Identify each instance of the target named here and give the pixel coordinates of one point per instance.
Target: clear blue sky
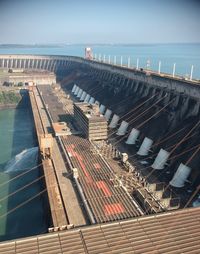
(99, 21)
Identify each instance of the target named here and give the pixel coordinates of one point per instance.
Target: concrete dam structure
(147, 165)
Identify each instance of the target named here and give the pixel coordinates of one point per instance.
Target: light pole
(159, 67)
(137, 67)
(115, 60)
(191, 72)
(109, 59)
(129, 62)
(174, 69)
(121, 60)
(104, 58)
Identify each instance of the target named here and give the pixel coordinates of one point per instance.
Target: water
(28, 158)
(184, 55)
(18, 154)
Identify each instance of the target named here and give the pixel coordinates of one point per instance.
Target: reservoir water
(20, 179)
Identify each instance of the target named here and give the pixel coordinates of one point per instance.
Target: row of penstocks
(182, 172)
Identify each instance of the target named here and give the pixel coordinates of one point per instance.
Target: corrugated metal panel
(168, 233)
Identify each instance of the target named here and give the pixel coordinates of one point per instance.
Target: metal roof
(167, 233)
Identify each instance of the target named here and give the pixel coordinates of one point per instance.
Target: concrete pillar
(108, 114)
(161, 159)
(195, 110)
(48, 64)
(51, 65)
(114, 121)
(20, 63)
(132, 138)
(15, 63)
(3, 62)
(123, 128)
(97, 102)
(176, 101)
(102, 109)
(29, 63)
(180, 176)
(11, 64)
(145, 147)
(36, 63)
(136, 85)
(87, 98)
(83, 96)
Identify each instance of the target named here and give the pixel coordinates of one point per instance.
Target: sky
(99, 21)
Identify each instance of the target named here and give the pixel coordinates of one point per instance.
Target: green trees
(9, 97)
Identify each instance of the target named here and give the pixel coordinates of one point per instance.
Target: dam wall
(125, 76)
(163, 109)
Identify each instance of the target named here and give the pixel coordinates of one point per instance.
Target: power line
(23, 203)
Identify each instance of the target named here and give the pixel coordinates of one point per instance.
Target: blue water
(20, 215)
(184, 55)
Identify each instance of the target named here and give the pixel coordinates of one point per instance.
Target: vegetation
(9, 97)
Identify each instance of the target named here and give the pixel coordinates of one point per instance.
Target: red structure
(88, 53)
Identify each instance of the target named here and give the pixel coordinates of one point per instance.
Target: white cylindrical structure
(160, 160)
(132, 137)
(87, 98)
(191, 72)
(83, 95)
(159, 67)
(174, 69)
(145, 147)
(122, 129)
(102, 109)
(180, 176)
(108, 114)
(74, 88)
(77, 90)
(92, 100)
(97, 102)
(114, 121)
(79, 93)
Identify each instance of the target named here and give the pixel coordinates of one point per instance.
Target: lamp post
(137, 67)
(159, 67)
(121, 61)
(115, 60)
(174, 69)
(129, 62)
(109, 59)
(191, 72)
